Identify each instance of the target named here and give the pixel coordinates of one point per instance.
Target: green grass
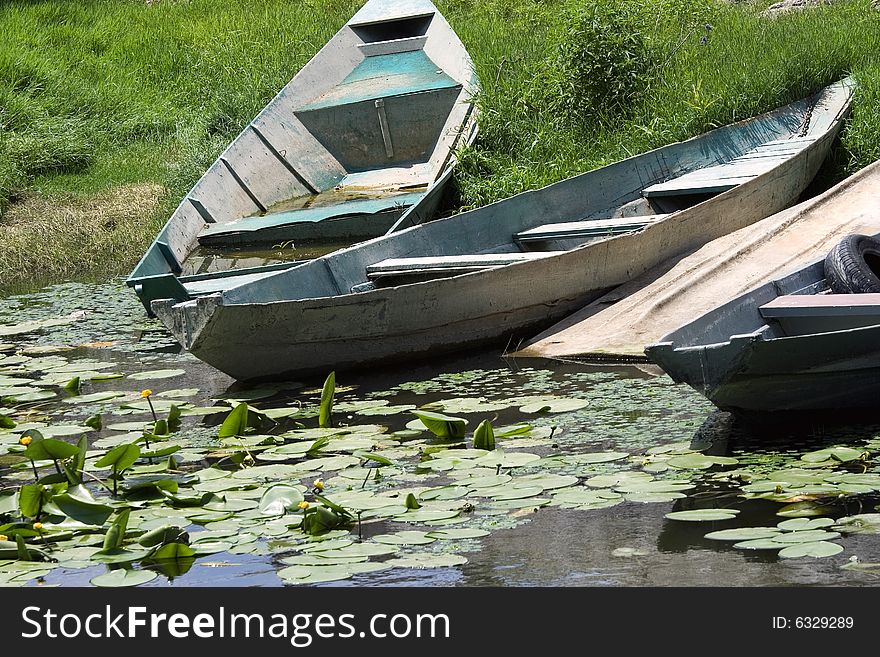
(97, 95)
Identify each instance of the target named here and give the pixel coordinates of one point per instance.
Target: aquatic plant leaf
(405, 538)
(759, 544)
(806, 509)
(48, 449)
(236, 422)
(85, 511)
(484, 436)
(120, 555)
(554, 405)
(703, 515)
(698, 461)
(862, 523)
(802, 524)
(457, 533)
(94, 422)
(162, 535)
(123, 577)
(32, 396)
(442, 426)
(743, 534)
(156, 374)
(806, 536)
(279, 499)
(427, 560)
(601, 457)
(411, 502)
(30, 499)
(6, 422)
(120, 458)
(73, 386)
(325, 411)
(173, 551)
(818, 550)
(843, 454)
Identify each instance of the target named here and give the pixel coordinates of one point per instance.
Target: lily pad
(123, 577)
(458, 533)
(817, 550)
(554, 405)
(156, 374)
(703, 515)
(431, 560)
(743, 534)
(405, 538)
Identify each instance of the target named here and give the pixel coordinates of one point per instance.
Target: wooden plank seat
(586, 229)
(801, 314)
(721, 177)
(248, 228)
(444, 266)
(383, 76)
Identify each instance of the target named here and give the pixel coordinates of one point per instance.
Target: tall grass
(97, 94)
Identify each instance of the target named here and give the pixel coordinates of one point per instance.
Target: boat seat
(802, 314)
(383, 76)
(268, 226)
(721, 177)
(444, 266)
(579, 229)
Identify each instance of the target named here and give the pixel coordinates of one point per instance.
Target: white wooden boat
(499, 272)
(788, 345)
(360, 142)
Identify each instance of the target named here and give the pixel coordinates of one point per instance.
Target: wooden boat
(360, 142)
(788, 345)
(617, 326)
(490, 274)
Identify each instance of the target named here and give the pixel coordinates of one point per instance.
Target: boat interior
(343, 151)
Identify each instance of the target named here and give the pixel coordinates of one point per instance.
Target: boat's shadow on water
(779, 434)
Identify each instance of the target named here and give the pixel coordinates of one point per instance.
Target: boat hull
(318, 317)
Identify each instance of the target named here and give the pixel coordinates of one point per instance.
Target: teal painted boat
(359, 143)
(495, 274)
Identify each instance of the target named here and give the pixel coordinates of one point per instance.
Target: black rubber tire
(853, 265)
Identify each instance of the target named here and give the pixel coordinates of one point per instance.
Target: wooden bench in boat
(802, 314)
(271, 227)
(585, 229)
(721, 177)
(424, 268)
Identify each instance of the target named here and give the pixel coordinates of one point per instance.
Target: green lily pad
(843, 454)
(807, 536)
(432, 560)
(703, 515)
(122, 577)
(802, 524)
(554, 405)
(601, 457)
(759, 544)
(743, 534)
(405, 538)
(458, 533)
(156, 374)
(816, 550)
(426, 515)
(511, 493)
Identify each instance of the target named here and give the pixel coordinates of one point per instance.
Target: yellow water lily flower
(303, 505)
(319, 484)
(38, 526)
(4, 537)
(25, 440)
(146, 393)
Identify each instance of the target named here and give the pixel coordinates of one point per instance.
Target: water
(630, 411)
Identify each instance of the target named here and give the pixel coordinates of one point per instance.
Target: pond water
(600, 476)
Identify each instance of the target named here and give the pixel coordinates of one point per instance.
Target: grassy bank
(104, 99)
